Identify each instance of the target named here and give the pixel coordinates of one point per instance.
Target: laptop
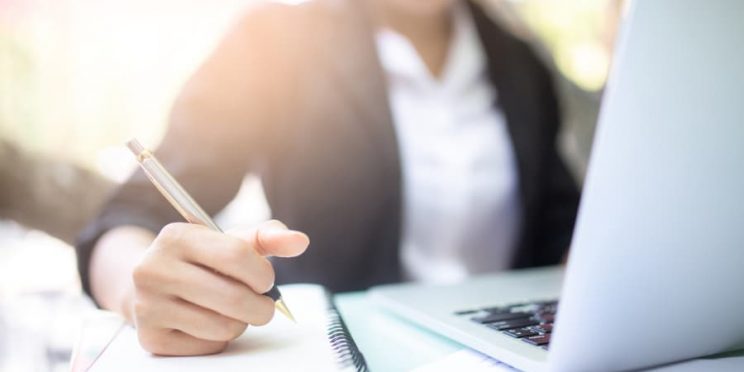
(656, 269)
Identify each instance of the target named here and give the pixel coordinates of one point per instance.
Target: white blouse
(461, 210)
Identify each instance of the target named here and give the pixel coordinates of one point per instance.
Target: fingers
(281, 242)
(220, 294)
(223, 253)
(172, 342)
(177, 314)
(197, 289)
(273, 238)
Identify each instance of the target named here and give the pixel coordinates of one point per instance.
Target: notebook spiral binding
(347, 353)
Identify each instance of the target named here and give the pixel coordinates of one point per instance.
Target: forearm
(111, 265)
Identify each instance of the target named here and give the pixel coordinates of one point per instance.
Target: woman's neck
(429, 33)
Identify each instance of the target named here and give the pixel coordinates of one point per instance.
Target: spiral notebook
(318, 342)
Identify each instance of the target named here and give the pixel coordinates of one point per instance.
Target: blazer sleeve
(221, 126)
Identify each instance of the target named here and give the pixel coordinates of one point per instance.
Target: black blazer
(296, 95)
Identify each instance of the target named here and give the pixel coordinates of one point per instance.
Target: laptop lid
(656, 270)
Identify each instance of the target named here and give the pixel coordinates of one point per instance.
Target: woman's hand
(196, 289)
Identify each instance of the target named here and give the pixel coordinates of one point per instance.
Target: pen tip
(282, 307)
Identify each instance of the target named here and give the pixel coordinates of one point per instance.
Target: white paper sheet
(279, 346)
(465, 360)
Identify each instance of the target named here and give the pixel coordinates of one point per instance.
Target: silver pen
(185, 204)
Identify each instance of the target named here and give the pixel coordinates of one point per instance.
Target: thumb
(273, 238)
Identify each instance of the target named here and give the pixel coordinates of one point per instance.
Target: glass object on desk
(37, 331)
(40, 301)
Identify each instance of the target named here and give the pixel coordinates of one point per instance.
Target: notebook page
(279, 346)
(465, 360)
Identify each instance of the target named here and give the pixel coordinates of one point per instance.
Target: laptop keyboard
(530, 322)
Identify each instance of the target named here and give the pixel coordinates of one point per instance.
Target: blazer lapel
(514, 98)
